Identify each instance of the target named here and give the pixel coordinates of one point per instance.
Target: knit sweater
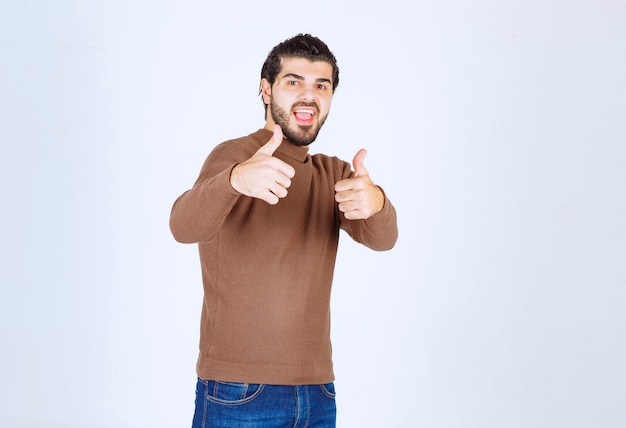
(267, 269)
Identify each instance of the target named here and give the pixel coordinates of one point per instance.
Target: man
(266, 216)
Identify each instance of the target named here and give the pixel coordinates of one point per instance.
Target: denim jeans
(243, 405)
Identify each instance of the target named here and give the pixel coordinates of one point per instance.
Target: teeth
(304, 111)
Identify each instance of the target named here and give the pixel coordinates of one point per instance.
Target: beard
(303, 135)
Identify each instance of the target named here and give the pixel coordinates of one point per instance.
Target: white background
(496, 127)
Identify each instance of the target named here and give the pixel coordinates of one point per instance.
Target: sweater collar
(286, 148)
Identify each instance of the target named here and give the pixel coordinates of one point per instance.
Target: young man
(266, 216)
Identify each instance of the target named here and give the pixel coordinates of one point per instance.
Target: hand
(263, 176)
(358, 197)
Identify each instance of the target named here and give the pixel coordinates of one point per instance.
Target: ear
(266, 90)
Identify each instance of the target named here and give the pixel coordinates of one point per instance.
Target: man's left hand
(358, 197)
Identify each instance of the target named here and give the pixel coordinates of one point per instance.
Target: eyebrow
(298, 77)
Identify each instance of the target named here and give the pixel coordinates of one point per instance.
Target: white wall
(496, 127)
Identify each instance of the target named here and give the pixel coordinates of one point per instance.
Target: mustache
(304, 104)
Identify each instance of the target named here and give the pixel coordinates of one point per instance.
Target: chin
(298, 138)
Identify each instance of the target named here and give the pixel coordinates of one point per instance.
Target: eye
(292, 82)
(321, 86)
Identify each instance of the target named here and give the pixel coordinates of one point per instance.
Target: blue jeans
(244, 405)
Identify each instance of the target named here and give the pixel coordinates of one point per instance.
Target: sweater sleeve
(379, 232)
(198, 213)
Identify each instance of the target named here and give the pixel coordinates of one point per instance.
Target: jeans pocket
(232, 393)
(328, 389)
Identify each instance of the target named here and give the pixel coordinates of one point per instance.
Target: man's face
(299, 100)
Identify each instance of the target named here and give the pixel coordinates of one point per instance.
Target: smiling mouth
(304, 115)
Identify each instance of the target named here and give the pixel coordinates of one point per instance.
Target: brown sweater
(267, 269)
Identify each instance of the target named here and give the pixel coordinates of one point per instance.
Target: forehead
(306, 68)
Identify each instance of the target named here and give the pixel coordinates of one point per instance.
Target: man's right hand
(263, 176)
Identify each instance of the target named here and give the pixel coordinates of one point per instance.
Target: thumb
(357, 162)
(270, 147)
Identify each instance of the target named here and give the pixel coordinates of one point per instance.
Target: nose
(306, 95)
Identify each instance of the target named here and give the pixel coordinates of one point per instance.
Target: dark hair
(300, 46)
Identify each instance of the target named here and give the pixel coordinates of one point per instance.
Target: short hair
(299, 46)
